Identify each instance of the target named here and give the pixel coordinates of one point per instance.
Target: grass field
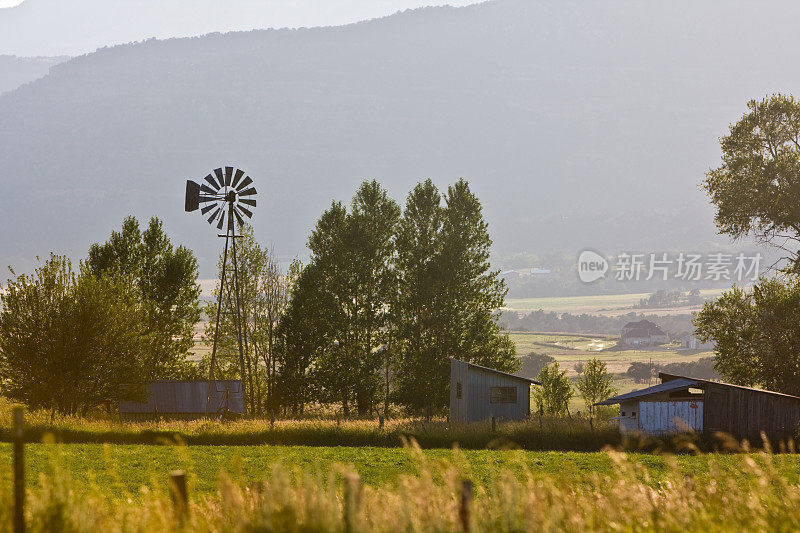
(89, 488)
(122, 470)
(593, 304)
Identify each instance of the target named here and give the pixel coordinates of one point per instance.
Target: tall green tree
(757, 335)
(71, 342)
(447, 295)
(163, 279)
(756, 189)
(555, 392)
(352, 252)
(417, 306)
(595, 384)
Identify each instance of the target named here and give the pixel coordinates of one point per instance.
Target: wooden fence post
(180, 495)
(19, 472)
(352, 500)
(465, 504)
(494, 425)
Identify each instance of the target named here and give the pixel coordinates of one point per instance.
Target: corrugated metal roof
(663, 376)
(188, 397)
(529, 380)
(655, 389)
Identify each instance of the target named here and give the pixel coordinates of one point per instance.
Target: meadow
(113, 488)
(598, 304)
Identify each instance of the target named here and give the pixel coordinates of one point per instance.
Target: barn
(480, 393)
(186, 400)
(681, 403)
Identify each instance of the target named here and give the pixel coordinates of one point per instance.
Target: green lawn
(121, 470)
(588, 303)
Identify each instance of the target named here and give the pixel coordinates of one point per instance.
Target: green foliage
(757, 334)
(594, 384)
(263, 293)
(555, 392)
(71, 342)
(163, 279)
(446, 295)
(756, 189)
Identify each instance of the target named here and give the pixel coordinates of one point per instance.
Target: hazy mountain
(579, 123)
(55, 27)
(16, 71)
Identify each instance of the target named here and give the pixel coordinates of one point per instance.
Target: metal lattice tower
(225, 195)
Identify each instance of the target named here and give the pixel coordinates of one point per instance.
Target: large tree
(71, 342)
(447, 295)
(757, 334)
(163, 278)
(756, 190)
(351, 252)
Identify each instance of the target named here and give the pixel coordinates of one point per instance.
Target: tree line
(387, 296)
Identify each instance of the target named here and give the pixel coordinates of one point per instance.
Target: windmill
(226, 197)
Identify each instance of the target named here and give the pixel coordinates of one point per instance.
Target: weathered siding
(745, 413)
(458, 374)
(475, 402)
(184, 400)
(658, 418)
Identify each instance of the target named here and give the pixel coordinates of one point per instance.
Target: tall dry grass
(753, 496)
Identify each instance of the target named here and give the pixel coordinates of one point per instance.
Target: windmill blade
(249, 192)
(248, 201)
(237, 177)
(207, 208)
(205, 199)
(208, 190)
(245, 211)
(221, 220)
(214, 185)
(220, 176)
(214, 215)
(228, 174)
(245, 182)
(238, 218)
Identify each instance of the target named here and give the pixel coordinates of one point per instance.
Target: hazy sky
(72, 27)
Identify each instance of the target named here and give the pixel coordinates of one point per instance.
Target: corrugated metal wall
(185, 399)
(475, 404)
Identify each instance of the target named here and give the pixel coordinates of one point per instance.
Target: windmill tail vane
(225, 195)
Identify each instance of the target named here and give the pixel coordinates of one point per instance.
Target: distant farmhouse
(480, 393)
(642, 333)
(681, 404)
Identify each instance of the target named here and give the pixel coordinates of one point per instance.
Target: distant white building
(691, 342)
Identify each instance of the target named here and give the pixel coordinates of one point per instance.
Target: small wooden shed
(480, 393)
(186, 400)
(681, 404)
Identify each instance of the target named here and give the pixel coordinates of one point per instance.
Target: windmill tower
(224, 197)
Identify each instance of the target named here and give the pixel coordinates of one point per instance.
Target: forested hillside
(577, 123)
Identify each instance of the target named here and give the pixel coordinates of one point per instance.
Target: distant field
(570, 349)
(588, 304)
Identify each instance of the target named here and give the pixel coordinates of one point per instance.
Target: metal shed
(480, 393)
(185, 400)
(681, 403)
